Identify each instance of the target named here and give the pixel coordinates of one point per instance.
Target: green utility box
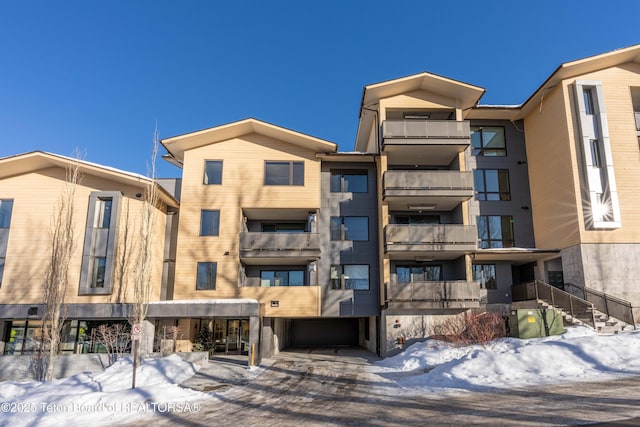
(535, 323)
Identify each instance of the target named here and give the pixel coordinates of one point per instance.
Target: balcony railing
(450, 290)
(419, 129)
(427, 237)
(428, 180)
(268, 244)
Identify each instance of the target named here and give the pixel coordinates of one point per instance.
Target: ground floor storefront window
(223, 336)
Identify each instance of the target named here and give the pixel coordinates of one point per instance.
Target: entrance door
(556, 279)
(233, 335)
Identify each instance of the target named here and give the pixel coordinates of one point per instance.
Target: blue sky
(99, 75)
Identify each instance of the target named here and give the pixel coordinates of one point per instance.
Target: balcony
(279, 248)
(441, 189)
(429, 241)
(405, 141)
(434, 294)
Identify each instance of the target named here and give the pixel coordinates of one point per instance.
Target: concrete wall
(19, 368)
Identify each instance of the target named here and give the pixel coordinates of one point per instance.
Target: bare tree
(116, 340)
(57, 279)
(143, 266)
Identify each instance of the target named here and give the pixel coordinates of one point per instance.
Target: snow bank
(578, 355)
(101, 399)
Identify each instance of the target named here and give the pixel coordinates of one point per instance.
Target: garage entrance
(323, 332)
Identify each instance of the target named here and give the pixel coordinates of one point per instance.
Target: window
(1, 270)
(103, 213)
(284, 227)
(284, 173)
(417, 219)
(350, 228)
(495, 231)
(98, 274)
(209, 223)
(596, 158)
(206, 279)
(491, 184)
(588, 102)
(282, 278)
(485, 274)
(354, 277)
(488, 141)
(348, 181)
(419, 273)
(213, 172)
(6, 206)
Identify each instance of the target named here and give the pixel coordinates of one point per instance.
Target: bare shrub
(116, 340)
(470, 328)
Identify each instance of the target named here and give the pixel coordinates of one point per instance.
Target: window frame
(98, 269)
(104, 210)
(292, 181)
(340, 282)
(215, 226)
(483, 195)
(504, 243)
(483, 149)
(340, 174)
(6, 213)
(212, 275)
(3, 261)
(288, 271)
(343, 231)
(490, 280)
(205, 176)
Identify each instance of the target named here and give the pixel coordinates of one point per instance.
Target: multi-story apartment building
(273, 239)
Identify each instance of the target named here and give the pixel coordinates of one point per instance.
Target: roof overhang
(514, 255)
(492, 112)
(39, 160)
(467, 96)
(177, 145)
(580, 67)
(351, 157)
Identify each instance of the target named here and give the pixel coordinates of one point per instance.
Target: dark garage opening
(323, 332)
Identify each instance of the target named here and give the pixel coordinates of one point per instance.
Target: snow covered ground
(577, 355)
(107, 398)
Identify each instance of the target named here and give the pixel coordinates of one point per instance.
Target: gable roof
(469, 95)
(579, 67)
(38, 160)
(177, 145)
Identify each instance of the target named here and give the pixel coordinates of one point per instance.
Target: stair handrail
(574, 301)
(621, 309)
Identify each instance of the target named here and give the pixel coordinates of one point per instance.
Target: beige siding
(552, 174)
(35, 196)
(616, 85)
(416, 100)
(242, 187)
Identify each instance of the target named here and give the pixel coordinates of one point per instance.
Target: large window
(284, 227)
(485, 274)
(98, 274)
(495, 231)
(419, 273)
(354, 277)
(103, 212)
(6, 206)
(492, 184)
(209, 223)
(343, 181)
(417, 219)
(488, 141)
(350, 228)
(282, 278)
(213, 172)
(206, 279)
(283, 173)
(1, 270)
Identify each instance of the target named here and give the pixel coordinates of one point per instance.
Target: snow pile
(577, 355)
(101, 399)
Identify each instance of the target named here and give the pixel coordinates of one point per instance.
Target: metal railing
(445, 290)
(607, 304)
(428, 180)
(426, 129)
(256, 241)
(578, 308)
